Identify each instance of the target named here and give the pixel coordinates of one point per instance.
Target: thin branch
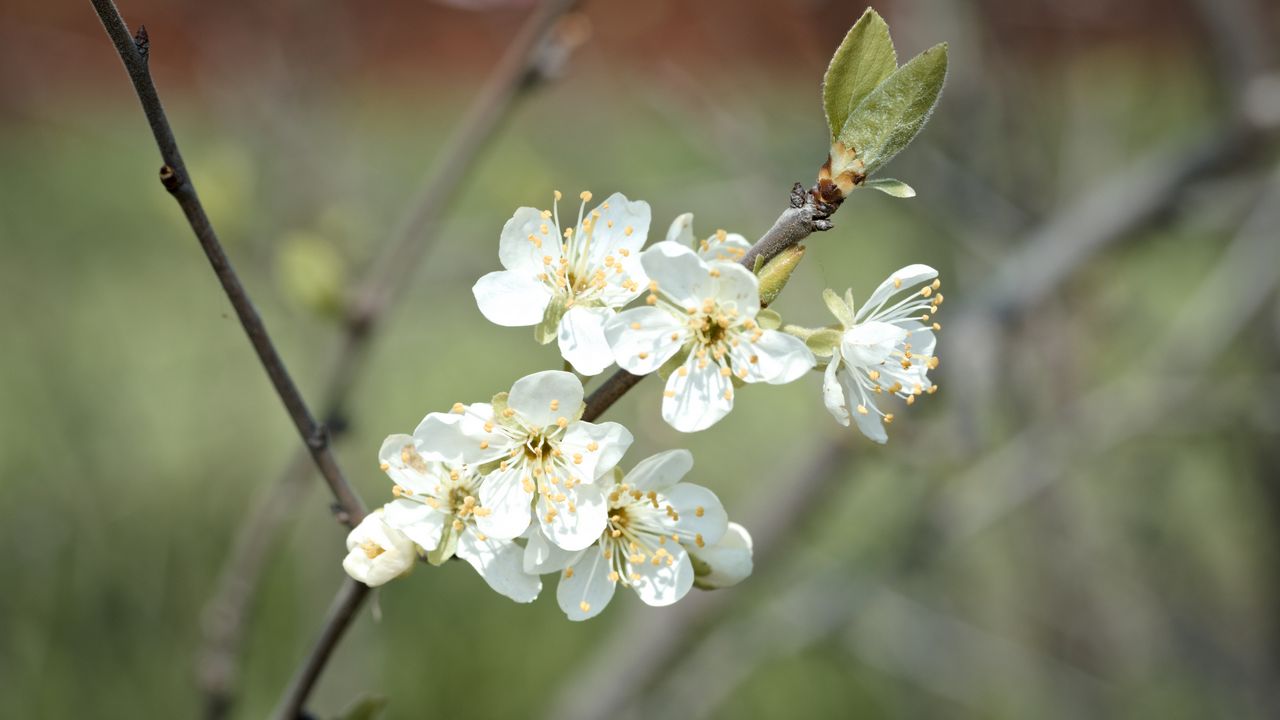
(530, 58)
(173, 174)
(341, 613)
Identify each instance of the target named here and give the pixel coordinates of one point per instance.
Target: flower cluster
(469, 483)
(521, 486)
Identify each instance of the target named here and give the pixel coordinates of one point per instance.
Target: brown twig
(529, 59)
(341, 613)
(173, 175)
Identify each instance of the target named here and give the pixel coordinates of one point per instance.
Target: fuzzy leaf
(891, 116)
(889, 186)
(864, 59)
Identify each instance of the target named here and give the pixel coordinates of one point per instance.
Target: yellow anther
(384, 466)
(754, 359)
(546, 259)
(888, 418)
(628, 230)
(669, 393)
(897, 282)
(593, 446)
(585, 606)
(577, 458)
(488, 427)
(508, 413)
(568, 573)
(862, 409)
(613, 576)
(558, 195)
(721, 235)
(699, 541)
(651, 300)
(555, 404)
(725, 372)
(911, 399)
(459, 408)
(643, 355)
(623, 251)
(699, 511)
(937, 284)
(932, 389)
(457, 525)
(484, 444)
(937, 326)
(562, 421)
(714, 272)
(728, 394)
(683, 371)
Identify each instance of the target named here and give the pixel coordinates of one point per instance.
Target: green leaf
(367, 707)
(445, 550)
(891, 116)
(843, 312)
(864, 59)
(889, 186)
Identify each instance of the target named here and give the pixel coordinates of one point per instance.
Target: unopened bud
(775, 274)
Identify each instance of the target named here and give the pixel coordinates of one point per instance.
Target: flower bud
(377, 552)
(775, 274)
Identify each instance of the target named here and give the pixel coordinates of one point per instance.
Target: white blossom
(655, 521)
(708, 310)
(886, 348)
(726, 246)
(378, 553)
(536, 456)
(726, 563)
(439, 509)
(569, 281)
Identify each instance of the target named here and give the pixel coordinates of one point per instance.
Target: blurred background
(1083, 522)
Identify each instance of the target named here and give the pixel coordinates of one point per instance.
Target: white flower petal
(543, 556)
(458, 438)
(611, 441)
(623, 224)
(868, 422)
(665, 583)
(579, 528)
(900, 281)
(511, 299)
(396, 449)
(421, 523)
(643, 338)
(585, 588)
(681, 275)
(738, 287)
(696, 398)
(728, 562)
(871, 343)
(661, 471)
(533, 397)
(833, 393)
(499, 563)
(779, 358)
(518, 253)
(732, 249)
(582, 340)
(503, 494)
(700, 512)
(681, 230)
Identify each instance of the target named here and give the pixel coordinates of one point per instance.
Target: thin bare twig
(521, 68)
(173, 175)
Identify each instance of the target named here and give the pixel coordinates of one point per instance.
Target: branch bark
(522, 68)
(134, 53)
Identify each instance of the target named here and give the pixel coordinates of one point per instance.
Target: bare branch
(522, 68)
(173, 174)
(341, 613)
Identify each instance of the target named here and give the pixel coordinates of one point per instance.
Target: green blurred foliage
(137, 426)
